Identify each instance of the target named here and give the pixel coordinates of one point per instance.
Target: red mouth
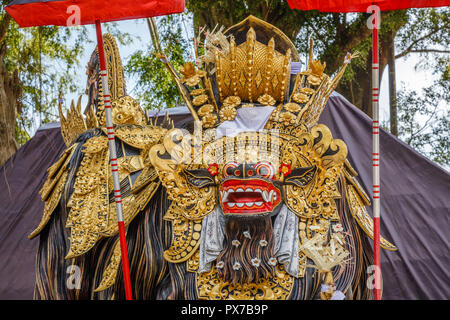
(249, 196)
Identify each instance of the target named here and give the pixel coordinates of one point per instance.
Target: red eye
(230, 165)
(265, 169)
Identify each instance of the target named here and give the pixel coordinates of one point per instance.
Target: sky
(406, 75)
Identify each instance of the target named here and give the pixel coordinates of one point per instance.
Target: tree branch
(413, 134)
(411, 46)
(319, 37)
(421, 51)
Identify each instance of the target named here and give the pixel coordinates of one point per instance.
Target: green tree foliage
(34, 52)
(39, 65)
(155, 88)
(424, 123)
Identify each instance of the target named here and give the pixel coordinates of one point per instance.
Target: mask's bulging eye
(228, 169)
(265, 169)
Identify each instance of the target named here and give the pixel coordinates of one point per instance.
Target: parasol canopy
(362, 5)
(32, 13)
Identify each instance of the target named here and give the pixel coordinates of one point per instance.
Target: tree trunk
(392, 89)
(358, 90)
(10, 93)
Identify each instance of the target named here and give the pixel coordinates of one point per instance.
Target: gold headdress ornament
(249, 65)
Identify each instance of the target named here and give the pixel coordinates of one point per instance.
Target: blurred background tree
(33, 87)
(37, 68)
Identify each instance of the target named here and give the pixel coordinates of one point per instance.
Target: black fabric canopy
(415, 213)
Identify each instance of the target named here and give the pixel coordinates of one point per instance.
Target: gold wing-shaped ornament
(92, 214)
(73, 123)
(53, 187)
(190, 205)
(91, 207)
(357, 201)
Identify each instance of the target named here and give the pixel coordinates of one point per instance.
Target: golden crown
(252, 70)
(249, 65)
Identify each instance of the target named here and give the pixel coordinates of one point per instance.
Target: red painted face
(251, 196)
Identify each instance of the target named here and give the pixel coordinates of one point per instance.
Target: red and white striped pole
(113, 161)
(376, 153)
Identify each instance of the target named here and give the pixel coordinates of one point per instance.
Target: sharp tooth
(231, 204)
(258, 190)
(274, 196)
(271, 195)
(249, 204)
(265, 196)
(221, 194)
(240, 205)
(249, 190)
(258, 203)
(239, 190)
(225, 196)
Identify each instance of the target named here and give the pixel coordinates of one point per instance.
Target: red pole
(376, 153)
(113, 160)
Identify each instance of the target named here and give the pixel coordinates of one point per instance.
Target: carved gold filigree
(300, 97)
(197, 92)
(359, 212)
(194, 203)
(137, 136)
(191, 76)
(231, 102)
(307, 91)
(228, 113)
(325, 255)
(254, 64)
(245, 72)
(53, 188)
(185, 239)
(209, 120)
(116, 79)
(126, 110)
(206, 109)
(292, 107)
(267, 99)
(316, 148)
(73, 124)
(288, 118)
(277, 287)
(110, 273)
(92, 210)
(199, 100)
(192, 263)
(89, 201)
